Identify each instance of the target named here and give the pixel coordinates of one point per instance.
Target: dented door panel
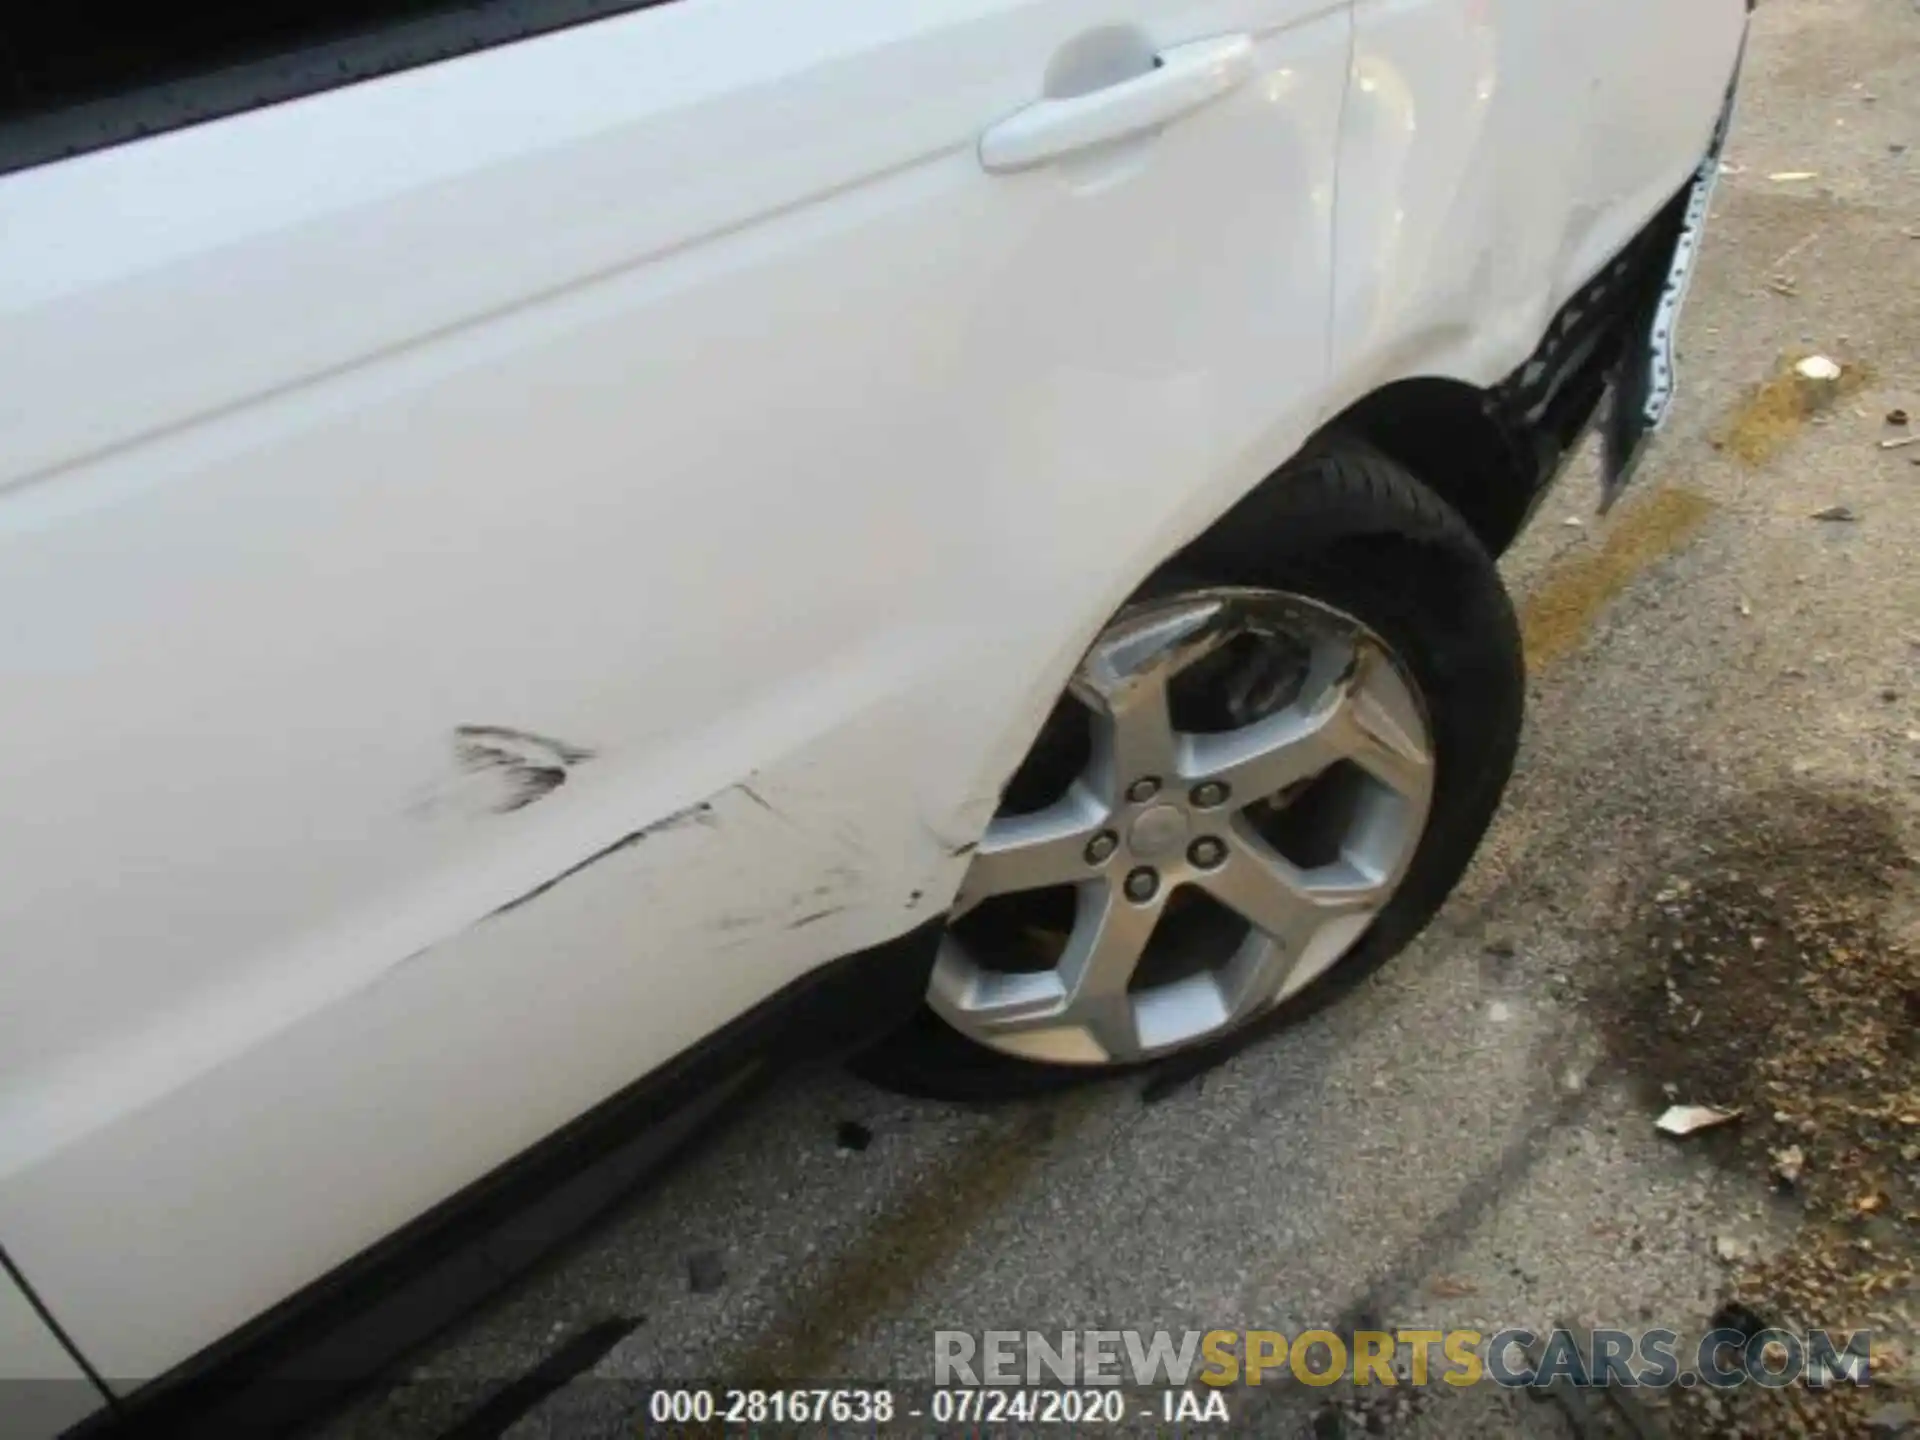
(508, 565)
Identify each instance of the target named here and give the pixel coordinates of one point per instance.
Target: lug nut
(1143, 789)
(1207, 852)
(1210, 794)
(1142, 883)
(1100, 849)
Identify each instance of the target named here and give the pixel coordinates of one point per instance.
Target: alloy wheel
(1254, 778)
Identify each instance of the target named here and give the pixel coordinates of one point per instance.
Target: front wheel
(1266, 775)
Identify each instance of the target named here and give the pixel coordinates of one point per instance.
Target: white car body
(509, 563)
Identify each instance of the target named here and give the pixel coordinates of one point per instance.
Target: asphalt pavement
(1467, 1140)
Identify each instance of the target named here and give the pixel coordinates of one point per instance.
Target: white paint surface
(681, 389)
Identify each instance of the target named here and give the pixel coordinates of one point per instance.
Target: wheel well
(1446, 433)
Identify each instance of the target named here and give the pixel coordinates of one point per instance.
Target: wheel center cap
(1159, 831)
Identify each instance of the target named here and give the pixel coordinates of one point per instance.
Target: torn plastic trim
(1646, 379)
(1608, 355)
(1547, 406)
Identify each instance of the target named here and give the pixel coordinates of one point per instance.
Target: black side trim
(1646, 377)
(1547, 406)
(1551, 400)
(292, 1364)
(54, 1326)
(501, 1412)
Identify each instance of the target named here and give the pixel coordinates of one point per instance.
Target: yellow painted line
(1556, 614)
(1556, 617)
(913, 1239)
(1774, 412)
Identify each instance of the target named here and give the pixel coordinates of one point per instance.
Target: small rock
(1840, 514)
(705, 1272)
(1729, 1249)
(1788, 1164)
(1896, 417)
(1890, 1422)
(852, 1135)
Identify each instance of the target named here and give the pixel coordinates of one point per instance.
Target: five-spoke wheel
(1295, 811)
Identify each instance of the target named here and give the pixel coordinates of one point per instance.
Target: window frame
(158, 108)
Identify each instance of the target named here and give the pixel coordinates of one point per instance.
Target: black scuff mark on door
(814, 915)
(700, 814)
(530, 767)
(565, 753)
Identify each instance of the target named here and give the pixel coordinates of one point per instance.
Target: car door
(508, 562)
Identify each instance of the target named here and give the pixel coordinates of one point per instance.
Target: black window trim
(157, 109)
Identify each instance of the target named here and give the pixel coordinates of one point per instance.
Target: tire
(1346, 526)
